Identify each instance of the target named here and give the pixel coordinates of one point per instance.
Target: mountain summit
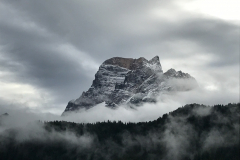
(131, 82)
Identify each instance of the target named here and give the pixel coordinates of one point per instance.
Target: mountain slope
(131, 81)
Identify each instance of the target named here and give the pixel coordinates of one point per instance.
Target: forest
(191, 132)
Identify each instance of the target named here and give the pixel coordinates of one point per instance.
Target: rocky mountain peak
(133, 64)
(119, 61)
(128, 81)
(177, 74)
(155, 60)
(170, 72)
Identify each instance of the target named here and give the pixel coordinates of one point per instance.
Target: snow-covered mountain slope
(131, 82)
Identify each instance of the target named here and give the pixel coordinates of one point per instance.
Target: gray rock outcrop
(131, 82)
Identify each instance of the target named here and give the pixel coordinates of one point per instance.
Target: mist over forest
(166, 129)
(193, 132)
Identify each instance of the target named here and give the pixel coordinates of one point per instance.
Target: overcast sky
(51, 50)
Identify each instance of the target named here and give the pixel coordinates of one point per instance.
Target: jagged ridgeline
(131, 82)
(192, 132)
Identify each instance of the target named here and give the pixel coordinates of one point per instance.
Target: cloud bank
(50, 51)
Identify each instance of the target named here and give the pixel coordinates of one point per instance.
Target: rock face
(131, 82)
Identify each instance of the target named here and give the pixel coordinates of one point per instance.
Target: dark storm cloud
(33, 56)
(214, 37)
(125, 28)
(98, 28)
(38, 37)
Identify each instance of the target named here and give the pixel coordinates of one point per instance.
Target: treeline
(192, 132)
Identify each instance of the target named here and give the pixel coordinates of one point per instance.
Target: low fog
(21, 115)
(25, 125)
(178, 137)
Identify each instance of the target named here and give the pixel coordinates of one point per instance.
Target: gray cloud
(56, 46)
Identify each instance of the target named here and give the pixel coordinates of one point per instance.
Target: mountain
(132, 82)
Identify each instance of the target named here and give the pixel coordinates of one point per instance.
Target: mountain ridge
(130, 81)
